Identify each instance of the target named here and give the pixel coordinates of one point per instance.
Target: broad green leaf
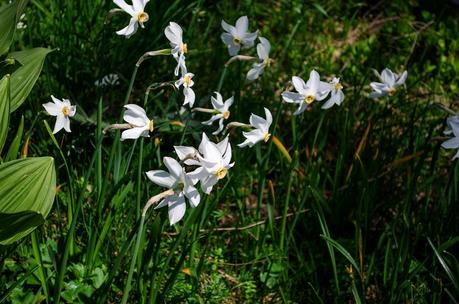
(7, 25)
(26, 186)
(24, 78)
(14, 147)
(4, 109)
(9, 15)
(18, 222)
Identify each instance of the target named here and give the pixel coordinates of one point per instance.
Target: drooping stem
(155, 199)
(124, 126)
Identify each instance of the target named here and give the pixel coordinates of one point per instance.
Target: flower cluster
(238, 37)
(314, 90)
(211, 161)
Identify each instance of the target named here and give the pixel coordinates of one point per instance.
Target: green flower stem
(71, 231)
(39, 261)
(127, 286)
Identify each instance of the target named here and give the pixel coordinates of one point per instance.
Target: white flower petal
(212, 119)
(233, 49)
(303, 106)
(229, 28)
(292, 97)
(313, 82)
(388, 77)
(242, 25)
(452, 143)
(255, 71)
(167, 200)
(67, 124)
(161, 178)
(60, 123)
(125, 7)
(135, 115)
(257, 122)
(52, 108)
(401, 80)
(177, 210)
(209, 183)
(135, 133)
(269, 117)
(249, 40)
(174, 167)
(263, 48)
(299, 84)
(189, 96)
(138, 5)
(227, 39)
(130, 29)
(174, 33)
(223, 145)
(193, 195)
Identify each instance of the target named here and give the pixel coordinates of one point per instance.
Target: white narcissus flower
(389, 83)
(308, 92)
(183, 186)
(187, 82)
(222, 110)
(213, 161)
(337, 95)
(452, 143)
(237, 36)
(174, 33)
(261, 129)
(263, 49)
(138, 16)
(137, 118)
(62, 109)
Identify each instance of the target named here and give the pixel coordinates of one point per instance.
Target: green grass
(366, 211)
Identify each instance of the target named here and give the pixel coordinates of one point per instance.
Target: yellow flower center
(392, 91)
(338, 86)
(142, 17)
(309, 99)
(187, 79)
(221, 173)
(267, 137)
(179, 188)
(66, 111)
(184, 48)
(151, 125)
(236, 40)
(226, 114)
(268, 62)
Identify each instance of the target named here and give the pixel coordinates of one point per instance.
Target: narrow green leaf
(26, 185)
(445, 266)
(14, 147)
(24, 78)
(4, 109)
(343, 251)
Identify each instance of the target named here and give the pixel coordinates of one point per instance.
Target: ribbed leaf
(4, 109)
(18, 222)
(27, 187)
(24, 78)
(7, 26)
